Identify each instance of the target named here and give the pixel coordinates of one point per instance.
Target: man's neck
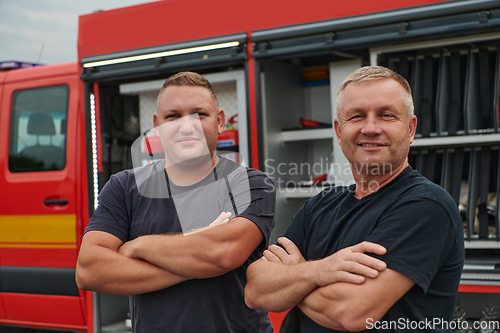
(368, 182)
(189, 173)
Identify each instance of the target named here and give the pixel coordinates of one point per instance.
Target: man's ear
(221, 120)
(413, 127)
(336, 125)
(155, 124)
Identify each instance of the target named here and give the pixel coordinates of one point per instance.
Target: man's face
(374, 130)
(188, 124)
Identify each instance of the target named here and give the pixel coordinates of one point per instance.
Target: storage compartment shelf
(481, 272)
(456, 140)
(307, 134)
(480, 279)
(482, 244)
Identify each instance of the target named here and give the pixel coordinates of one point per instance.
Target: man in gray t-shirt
(153, 234)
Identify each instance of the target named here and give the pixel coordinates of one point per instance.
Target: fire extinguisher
(228, 141)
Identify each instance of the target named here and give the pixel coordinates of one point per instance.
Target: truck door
(38, 245)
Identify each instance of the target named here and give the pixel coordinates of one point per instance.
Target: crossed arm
(100, 268)
(339, 292)
(153, 262)
(211, 252)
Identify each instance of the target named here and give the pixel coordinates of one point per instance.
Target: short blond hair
(190, 79)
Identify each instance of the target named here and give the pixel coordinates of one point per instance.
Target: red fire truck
(64, 129)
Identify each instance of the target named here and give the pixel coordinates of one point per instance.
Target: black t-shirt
(143, 201)
(419, 225)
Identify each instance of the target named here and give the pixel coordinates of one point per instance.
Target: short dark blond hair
(190, 79)
(374, 73)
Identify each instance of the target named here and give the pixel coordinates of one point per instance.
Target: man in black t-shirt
(178, 234)
(329, 263)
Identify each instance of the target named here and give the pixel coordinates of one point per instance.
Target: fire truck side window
(38, 129)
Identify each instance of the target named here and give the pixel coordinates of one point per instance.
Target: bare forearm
(286, 278)
(336, 291)
(324, 306)
(205, 254)
(181, 254)
(277, 287)
(106, 271)
(348, 306)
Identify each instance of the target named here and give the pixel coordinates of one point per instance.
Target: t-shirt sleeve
(111, 215)
(418, 234)
(254, 196)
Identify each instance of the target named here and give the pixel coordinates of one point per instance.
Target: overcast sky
(46, 31)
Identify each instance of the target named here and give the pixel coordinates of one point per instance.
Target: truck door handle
(49, 202)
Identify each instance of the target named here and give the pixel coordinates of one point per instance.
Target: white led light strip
(161, 54)
(94, 148)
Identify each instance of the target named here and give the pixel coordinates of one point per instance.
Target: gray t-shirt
(154, 205)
